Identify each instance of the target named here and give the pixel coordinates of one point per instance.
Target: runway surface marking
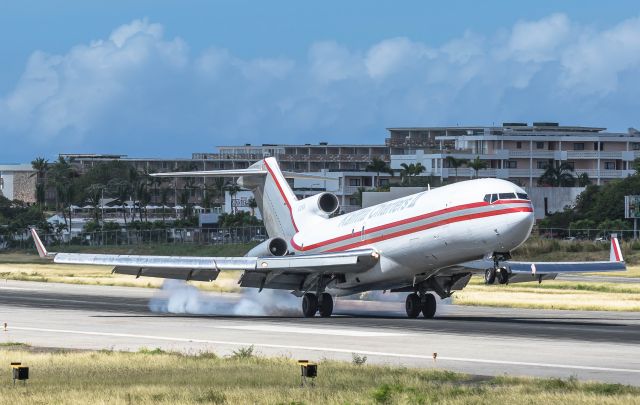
(21, 288)
(333, 350)
(308, 331)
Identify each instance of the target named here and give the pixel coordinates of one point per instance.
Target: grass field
(156, 377)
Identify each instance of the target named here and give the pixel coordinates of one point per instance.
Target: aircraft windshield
(491, 198)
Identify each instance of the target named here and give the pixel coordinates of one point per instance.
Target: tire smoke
(178, 297)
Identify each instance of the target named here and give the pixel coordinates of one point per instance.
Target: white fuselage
(424, 232)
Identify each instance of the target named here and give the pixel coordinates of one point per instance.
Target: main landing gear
(312, 303)
(425, 303)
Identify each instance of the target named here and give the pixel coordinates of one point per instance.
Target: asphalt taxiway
(602, 346)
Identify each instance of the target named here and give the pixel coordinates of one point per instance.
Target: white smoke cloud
(115, 94)
(178, 297)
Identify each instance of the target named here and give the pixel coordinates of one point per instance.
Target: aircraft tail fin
(42, 251)
(615, 253)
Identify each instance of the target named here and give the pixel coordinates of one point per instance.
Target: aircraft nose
(520, 228)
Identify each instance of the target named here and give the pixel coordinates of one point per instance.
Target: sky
(169, 78)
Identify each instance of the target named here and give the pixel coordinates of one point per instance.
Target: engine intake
(270, 247)
(328, 203)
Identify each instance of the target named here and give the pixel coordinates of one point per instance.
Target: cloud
(141, 93)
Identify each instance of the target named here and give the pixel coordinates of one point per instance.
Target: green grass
(156, 377)
(13, 344)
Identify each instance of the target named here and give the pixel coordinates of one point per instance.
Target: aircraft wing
(239, 173)
(265, 272)
(537, 271)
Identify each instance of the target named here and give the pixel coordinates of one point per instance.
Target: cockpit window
(506, 196)
(523, 196)
(494, 198)
(487, 198)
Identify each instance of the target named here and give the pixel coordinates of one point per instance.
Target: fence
(196, 236)
(583, 234)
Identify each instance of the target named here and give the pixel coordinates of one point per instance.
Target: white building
(18, 182)
(521, 152)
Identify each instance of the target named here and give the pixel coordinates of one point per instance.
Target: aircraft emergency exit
(429, 242)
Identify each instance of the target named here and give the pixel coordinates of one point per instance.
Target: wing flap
(172, 273)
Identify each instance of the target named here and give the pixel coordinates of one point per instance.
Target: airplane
(429, 242)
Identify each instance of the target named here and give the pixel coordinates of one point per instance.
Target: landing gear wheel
(325, 305)
(413, 305)
(490, 276)
(428, 305)
(309, 305)
(503, 276)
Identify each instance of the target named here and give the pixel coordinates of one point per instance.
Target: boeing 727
(429, 242)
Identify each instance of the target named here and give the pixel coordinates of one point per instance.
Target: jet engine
(323, 204)
(270, 247)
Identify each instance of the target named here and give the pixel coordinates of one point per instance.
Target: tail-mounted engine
(270, 247)
(323, 204)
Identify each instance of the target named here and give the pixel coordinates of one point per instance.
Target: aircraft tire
(325, 305)
(490, 276)
(503, 276)
(429, 306)
(309, 305)
(413, 305)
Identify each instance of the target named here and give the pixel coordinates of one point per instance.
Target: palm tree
(410, 170)
(407, 171)
(164, 198)
(560, 176)
(477, 165)
(63, 174)
(121, 189)
(233, 190)
(584, 180)
(378, 166)
(40, 165)
(253, 204)
(94, 195)
(455, 163)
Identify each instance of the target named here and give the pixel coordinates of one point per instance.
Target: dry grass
(155, 377)
(553, 295)
(101, 275)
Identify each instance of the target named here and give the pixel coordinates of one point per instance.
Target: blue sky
(167, 78)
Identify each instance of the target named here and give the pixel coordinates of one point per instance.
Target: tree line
(132, 190)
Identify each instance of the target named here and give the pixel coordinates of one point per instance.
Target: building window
(518, 145)
(598, 146)
(384, 182)
(542, 164)
(578, 146)
(610, 165)
(539, 145)
(354, 182)
(512, 164)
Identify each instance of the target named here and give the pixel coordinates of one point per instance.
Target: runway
(602, 346)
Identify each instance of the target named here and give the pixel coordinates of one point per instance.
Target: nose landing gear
(425, 303)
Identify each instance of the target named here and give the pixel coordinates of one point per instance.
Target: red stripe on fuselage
(399, 223)
(460, 218)
(282, 193)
